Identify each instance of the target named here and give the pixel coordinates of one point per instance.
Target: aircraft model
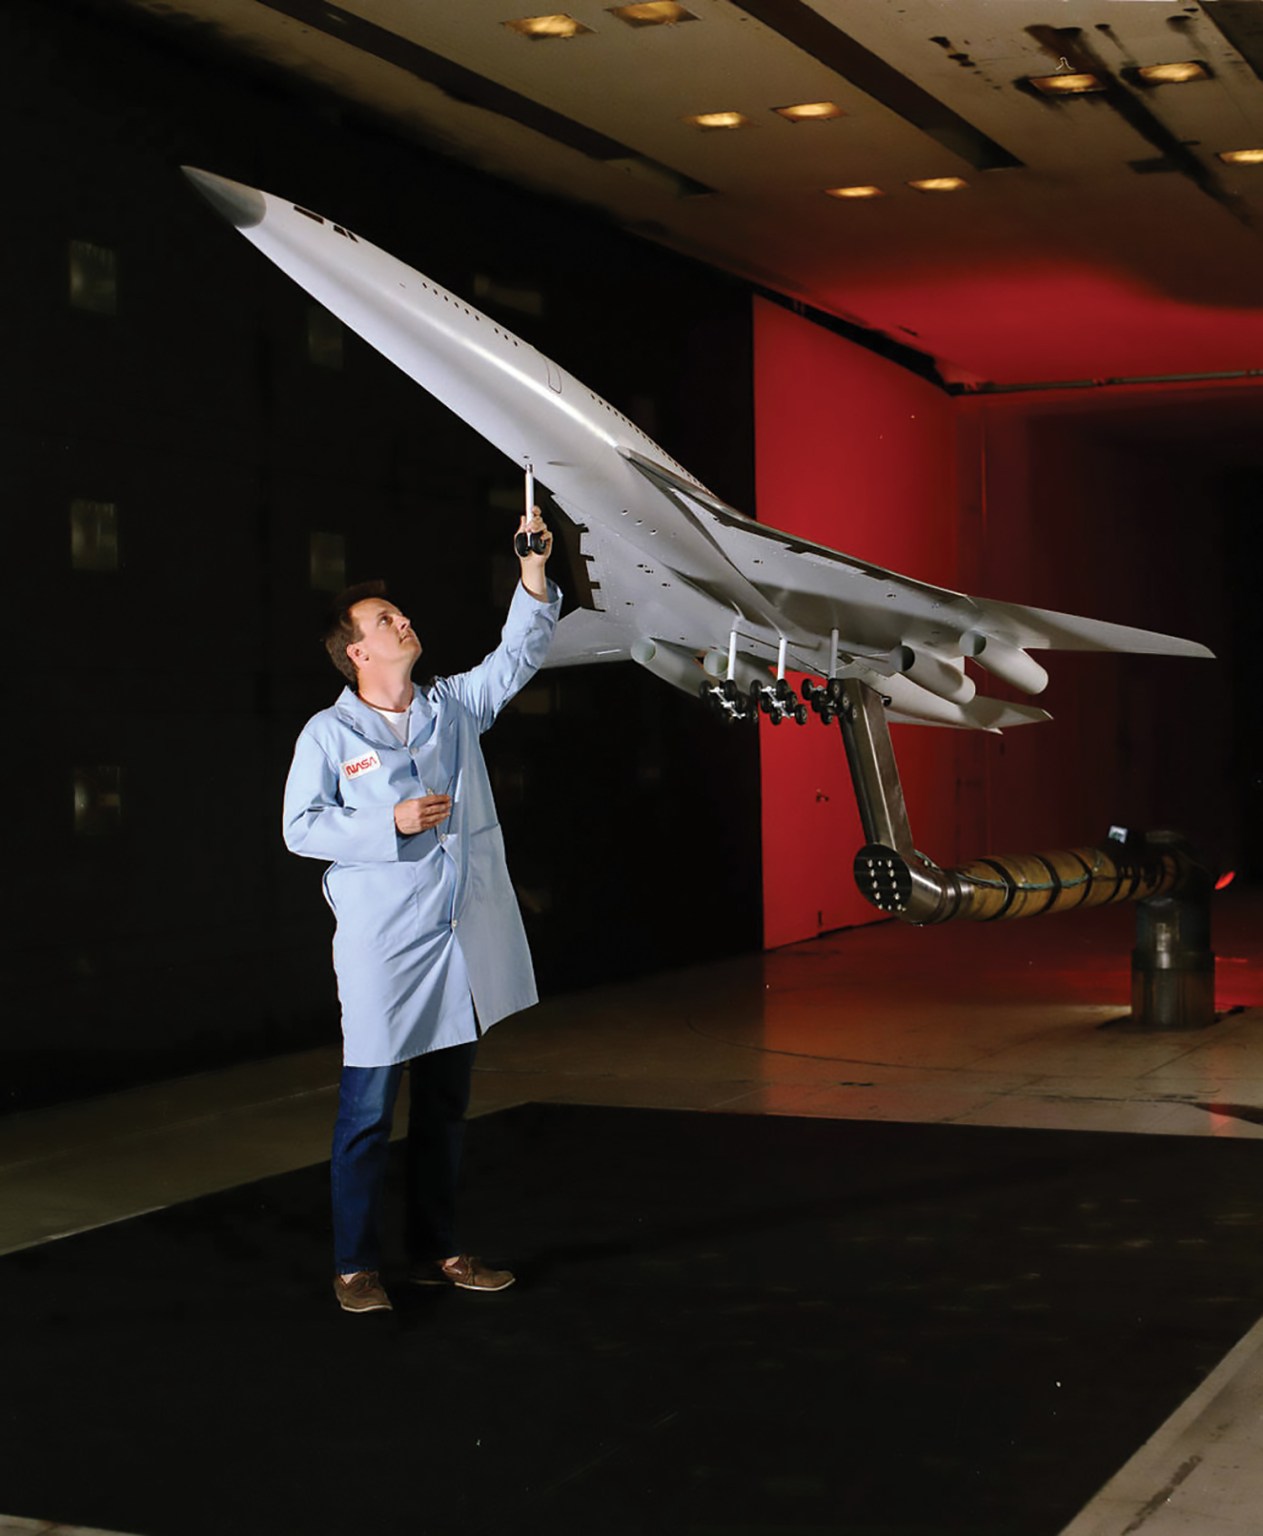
(679, 582)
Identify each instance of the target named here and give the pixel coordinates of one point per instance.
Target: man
(429, 950)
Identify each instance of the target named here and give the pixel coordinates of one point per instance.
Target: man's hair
(341, 630)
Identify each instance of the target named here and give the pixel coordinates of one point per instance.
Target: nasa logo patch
(357, 767)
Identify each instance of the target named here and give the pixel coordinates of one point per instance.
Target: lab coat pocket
(372, 905)
(487, 874)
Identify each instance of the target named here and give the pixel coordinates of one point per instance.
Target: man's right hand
(423, 815)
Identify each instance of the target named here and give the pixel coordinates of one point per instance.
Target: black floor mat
(723, 1324)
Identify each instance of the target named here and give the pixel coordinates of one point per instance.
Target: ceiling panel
(1115, 219)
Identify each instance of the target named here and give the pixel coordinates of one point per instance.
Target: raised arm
(524, 641)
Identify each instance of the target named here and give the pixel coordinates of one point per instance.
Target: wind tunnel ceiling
(1096, 235)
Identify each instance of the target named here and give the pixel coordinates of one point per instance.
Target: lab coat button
(455, 924)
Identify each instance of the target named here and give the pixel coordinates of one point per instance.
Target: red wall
(1041, 499)
(856, 453)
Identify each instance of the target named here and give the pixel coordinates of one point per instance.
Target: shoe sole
(458, 1285)
(376, 1307)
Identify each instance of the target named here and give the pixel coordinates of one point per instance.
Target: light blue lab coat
(428, 927)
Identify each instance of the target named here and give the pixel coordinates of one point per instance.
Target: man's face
(385, 634)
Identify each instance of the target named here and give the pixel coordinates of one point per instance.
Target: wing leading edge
(907, 637)
(879, 612)
(855, 582)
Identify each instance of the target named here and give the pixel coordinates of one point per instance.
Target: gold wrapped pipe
(1015, 885)
(904, 883)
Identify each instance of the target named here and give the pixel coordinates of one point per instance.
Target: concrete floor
(1013, 1025)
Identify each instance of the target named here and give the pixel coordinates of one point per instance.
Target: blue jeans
(439, 1085)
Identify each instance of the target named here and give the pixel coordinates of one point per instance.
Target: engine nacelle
(938, 676)
(671, 663)
(1009, 663)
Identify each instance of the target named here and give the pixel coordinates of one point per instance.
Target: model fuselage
(510, 393)
(676, 574)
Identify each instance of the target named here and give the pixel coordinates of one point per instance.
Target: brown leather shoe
(362, 1292)
(466, 1272)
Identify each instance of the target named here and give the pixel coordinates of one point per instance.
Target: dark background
(164, 927)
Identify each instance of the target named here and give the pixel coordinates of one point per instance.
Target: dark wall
(1238, 490)
(160, 924)
(1076, 518)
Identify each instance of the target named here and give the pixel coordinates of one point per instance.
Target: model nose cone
(242, 206)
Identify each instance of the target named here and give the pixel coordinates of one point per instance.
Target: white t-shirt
(396, 719)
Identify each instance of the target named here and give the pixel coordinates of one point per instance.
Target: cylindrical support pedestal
(1173, 965)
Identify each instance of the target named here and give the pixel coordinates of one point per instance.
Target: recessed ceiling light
(1241, 156)
(853, 192)
(538, 27)
(939, 184)
(810, 112)
(1066, 85)
(719, 120)
(652, 13)
(1172, 74)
